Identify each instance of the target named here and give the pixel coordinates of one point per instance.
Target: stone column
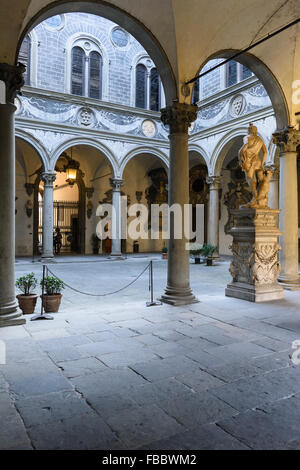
(213, 216)
(274, 187)
(116, 184)
(12, 77)
(48, 179)
(178, 117)
(287, 141)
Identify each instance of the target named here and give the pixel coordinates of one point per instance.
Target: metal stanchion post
(152, 303)
(42, 315)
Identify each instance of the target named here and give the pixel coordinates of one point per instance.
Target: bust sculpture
(252, 157)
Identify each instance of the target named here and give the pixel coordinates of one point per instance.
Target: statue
(253, 165)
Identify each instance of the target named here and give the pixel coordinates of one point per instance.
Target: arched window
(232, 73)
(95, 73)
(246, 73)
(154, 90)
(24, 58)
(196, 91)
(141, 87)
(236, 72)
(78, 71)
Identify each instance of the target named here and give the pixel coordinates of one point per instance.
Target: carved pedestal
(255, 266)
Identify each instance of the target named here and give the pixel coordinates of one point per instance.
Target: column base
(176, 296)
(11, 319)
(254, 293)
(47, 260)
(116, 256)
(289, 284)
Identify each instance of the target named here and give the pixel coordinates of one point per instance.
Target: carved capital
(179, 116)
(116, 183)
(287, 140)
(12, 76)
(48, 179)
(29, 188)
(89, 192)
(213, 182)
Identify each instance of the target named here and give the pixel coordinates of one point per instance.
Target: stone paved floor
(110, 373)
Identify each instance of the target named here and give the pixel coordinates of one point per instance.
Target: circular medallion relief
(87, 45)
(86, 117)
(149, 128)
(119, 37)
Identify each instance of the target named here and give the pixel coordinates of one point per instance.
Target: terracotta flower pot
(197, 260)
(51, 303)
(209, 262)
(164, 255)
(27, 303)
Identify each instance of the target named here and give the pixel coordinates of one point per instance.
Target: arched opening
(199, 192)
(121, 18)
(28, 165)
(241, 69)
(145, 178)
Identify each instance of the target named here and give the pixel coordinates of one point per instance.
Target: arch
(218, 154)
(141, 150)
(89, 142)
(132, 25)
(71, 42)
(201, 151)
(35, 144)
(266, 77)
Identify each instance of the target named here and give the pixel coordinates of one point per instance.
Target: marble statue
(253, 165)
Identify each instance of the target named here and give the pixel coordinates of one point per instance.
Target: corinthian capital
(12, 76)
(48, 179)
(116, 183)
(213, 182)
(179, 116)
(287, 140)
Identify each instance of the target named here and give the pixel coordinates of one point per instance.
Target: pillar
(116, 184)
(213, 216)
(287, 141)
(274, 187)
(48, 179)
(12, 78)
(178, 117)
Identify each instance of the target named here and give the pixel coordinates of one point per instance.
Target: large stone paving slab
(143, 424)
(114, 374)
(197, 409)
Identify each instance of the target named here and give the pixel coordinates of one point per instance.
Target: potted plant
(95, 243)
(208, 251)
(195, 251)
(52, 298)
(27, 300)
(164, 252)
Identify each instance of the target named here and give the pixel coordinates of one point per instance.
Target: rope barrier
(101, 295)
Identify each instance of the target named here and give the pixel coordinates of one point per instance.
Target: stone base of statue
(255, 266)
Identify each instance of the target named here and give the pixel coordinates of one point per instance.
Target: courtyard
(111, 373)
